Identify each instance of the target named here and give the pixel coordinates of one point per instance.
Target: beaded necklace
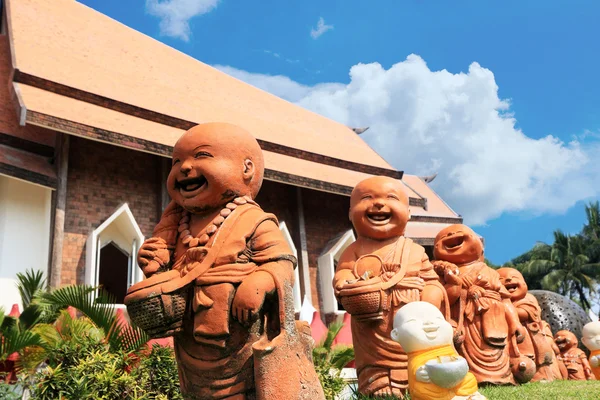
(212, 227)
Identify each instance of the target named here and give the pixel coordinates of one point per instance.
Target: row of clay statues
(497, 326)
(220, 276)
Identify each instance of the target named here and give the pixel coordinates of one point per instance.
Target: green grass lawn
(580, 390)
(557, 390)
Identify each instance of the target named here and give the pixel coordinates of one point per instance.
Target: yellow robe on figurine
(595, 370)
(427, 391)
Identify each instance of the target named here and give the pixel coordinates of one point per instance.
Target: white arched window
(326, 263)
(288, 238)
(111, 253)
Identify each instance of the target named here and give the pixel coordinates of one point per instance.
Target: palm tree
(566, 269)
(591, 231)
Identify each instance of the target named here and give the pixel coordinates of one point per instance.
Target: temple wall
(25, 211)
(101, 178)
(326, 216)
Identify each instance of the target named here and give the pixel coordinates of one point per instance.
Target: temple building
(89, 112)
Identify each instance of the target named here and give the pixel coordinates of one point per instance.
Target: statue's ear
(249, 169)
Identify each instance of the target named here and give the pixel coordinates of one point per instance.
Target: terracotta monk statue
(535, 346)
(378, 274)
(574, 358)
(591, 340)
(486, 322)
(435, 370)
(238, 338)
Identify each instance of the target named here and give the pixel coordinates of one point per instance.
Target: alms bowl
(447, 371)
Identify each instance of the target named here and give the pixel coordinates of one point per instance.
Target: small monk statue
(238, 339)
(487, 323)
(573, 357)
(435, 370)
(376, 275)
(591, 340)
(535, 346)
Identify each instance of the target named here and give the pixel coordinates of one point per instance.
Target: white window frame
(296, 290)
(326, 265)
(125, 223)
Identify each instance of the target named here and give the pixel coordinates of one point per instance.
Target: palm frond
(84, 298)
(15, 340)
(332, 331)
(341, 355)
(29, 284)
(554, 280)
(537, 267)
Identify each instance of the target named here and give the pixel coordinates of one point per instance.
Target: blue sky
(536, 75)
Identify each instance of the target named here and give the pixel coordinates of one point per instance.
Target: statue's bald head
(235, 143)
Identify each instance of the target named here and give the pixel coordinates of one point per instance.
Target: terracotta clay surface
(574, 358)
(538, 344)
(435, 370)
(591, 340)
(378, 274)
(227, 259)
(487, 324)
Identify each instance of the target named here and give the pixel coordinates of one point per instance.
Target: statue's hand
(448, 271)
(475, 292)
(595, 361)
(422, 375)
(520, 333)
(153, 255)
(250, 296)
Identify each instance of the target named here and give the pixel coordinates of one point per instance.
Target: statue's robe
(483, 323)
(574, 361)
(595, 370)
(427, 390)
(380, 361)
(536, 345)
(214, 351)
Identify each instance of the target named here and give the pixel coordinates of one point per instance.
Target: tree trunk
(584, 301)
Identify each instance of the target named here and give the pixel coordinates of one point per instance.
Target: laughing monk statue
(487, 324)
(536, 345)
(238, 339)
(376, 275)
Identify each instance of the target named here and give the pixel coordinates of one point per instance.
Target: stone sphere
(561, 312)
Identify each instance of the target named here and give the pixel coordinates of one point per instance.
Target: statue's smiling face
(591, 335)
(458, 244)
(419, 326)
(514, 282)
(209, 169)
(379, 208)
(565, 340)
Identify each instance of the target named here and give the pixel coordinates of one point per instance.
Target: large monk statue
(487, 323)
(536, 345)
(378, 274)
(220, 275)
(574, 358)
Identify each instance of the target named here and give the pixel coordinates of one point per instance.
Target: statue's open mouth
(561, 342)
(453, 242)
(191, 185)
(511, 287)
(431, 331)
(379, 217)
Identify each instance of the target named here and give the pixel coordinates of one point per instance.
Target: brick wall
(326, 216)
(101, 178)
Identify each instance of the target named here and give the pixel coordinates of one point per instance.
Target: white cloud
(425, 121)
(322, 27)
(175, 15)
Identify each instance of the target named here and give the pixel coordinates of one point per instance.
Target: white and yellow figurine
(435, 370)
(591, 340)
